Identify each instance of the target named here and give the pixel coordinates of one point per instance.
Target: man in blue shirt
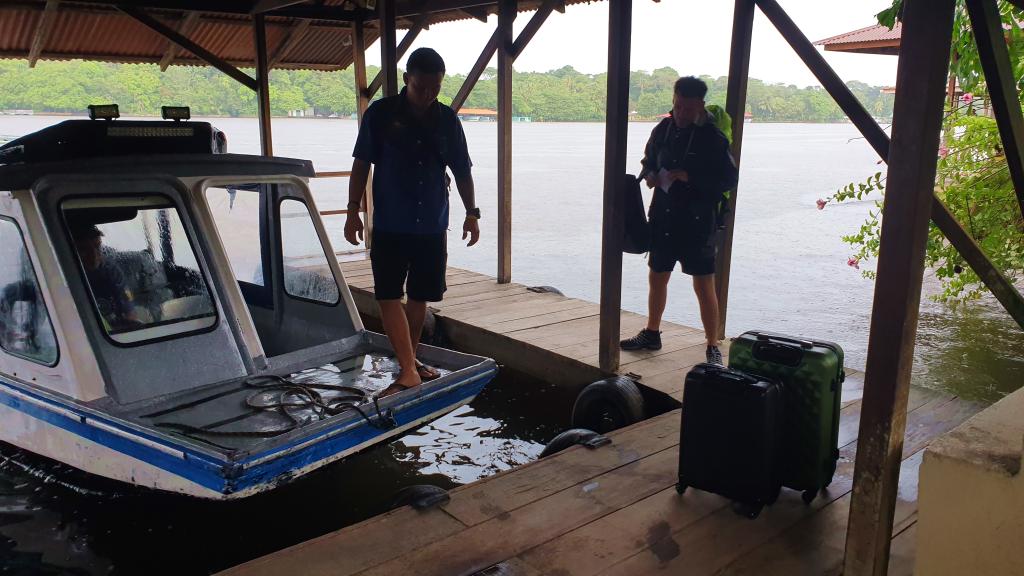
(410, 139)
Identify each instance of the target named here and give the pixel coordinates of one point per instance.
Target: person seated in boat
(105, 278)
(411, 139)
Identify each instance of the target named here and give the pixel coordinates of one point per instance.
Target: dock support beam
(735, 105)
(388, 54)
(917, 122)
(1002, 91)
(263, 84)
(620, 17)
(506, 15)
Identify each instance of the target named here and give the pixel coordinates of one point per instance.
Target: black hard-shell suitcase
(729, 439)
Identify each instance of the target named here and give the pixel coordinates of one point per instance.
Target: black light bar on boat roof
(176, 113)
(103, 112)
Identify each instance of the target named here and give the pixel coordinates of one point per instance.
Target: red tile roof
(875, 39)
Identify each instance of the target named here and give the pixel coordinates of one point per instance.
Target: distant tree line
(559, 95)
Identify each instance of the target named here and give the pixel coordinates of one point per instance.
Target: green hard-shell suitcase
(811, 373)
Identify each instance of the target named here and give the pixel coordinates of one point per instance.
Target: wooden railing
(364, 209)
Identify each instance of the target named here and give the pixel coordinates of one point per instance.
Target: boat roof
(181, 149)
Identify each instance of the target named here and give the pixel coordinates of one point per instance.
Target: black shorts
(696, 254)
(422, 258)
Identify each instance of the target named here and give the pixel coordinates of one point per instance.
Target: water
(789, 274)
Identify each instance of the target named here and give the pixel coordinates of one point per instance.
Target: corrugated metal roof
(875, 39)
(95, 31)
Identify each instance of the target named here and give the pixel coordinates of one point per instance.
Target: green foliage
(972, 175)
(559, 95)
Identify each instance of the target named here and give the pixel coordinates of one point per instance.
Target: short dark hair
(691, 87)
(82, 231)
(425, 61)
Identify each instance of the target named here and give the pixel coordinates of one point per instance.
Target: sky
(691, 36)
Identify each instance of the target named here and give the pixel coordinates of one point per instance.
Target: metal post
(735, 105)
(917, 121)
(506, 15)
(263, 84)
(362, 103)
(620, 16)
(388, 55)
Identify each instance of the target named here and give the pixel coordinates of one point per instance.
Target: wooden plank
(518, 302)
(735, 106)
(917, 121)
(503, 493)
(717, 540)
(357, 547)
(507, 10)
(488, 295)
(42, 33)
(1002, 86)
(903, 553)
(633, 361)
(815, 545)
(509, 534)
(523, 311)
(680, 359)
(553, 318)
(620, 18)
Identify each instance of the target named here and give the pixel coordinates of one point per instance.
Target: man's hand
(679, 175)
(471, 228)
(353, 228)
(651, 180)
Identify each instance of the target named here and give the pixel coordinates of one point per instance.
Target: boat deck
(614, 511)
(543, 334)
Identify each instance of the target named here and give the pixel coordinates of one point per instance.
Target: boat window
(307, 274)
(25, 328)
(140, 267)
(236, 210)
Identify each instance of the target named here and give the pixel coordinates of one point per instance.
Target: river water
(789, 274)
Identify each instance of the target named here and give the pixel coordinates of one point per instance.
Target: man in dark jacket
(688, 163)
(411, 139)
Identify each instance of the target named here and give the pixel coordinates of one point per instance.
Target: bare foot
(426, 373)
(403, 382)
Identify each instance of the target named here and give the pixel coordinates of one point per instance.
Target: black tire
(570, 437)
(420, 496)
(608, 405)
(808, 496)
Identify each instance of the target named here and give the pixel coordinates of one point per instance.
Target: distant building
(478, 115)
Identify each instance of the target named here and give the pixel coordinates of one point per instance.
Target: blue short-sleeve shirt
(409, 154)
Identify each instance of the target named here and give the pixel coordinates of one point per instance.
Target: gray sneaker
(646, 339)
(714, 355)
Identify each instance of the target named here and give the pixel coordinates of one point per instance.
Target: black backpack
(636, 237)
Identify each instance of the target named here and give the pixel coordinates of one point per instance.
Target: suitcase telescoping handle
(768, 337)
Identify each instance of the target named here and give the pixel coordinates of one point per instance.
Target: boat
(172, 316)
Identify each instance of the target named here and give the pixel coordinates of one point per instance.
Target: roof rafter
(185, 27)
(42, 32)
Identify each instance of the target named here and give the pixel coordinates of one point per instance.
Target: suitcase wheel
(749, 510)
(680, 488)
(808, 496)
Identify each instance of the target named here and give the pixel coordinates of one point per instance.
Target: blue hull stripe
(213, 474)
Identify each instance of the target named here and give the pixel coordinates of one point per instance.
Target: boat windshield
(140, 267)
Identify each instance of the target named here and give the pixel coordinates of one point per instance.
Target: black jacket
(701, 149)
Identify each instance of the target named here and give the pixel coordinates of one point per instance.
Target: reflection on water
(54, 520)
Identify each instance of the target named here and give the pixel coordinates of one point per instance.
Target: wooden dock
(543, 334)
(614, 511)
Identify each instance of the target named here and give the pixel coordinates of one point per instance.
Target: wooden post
(362, 103)
(620, 16)
(1002, 89)
(735, 105)
(263, 84)
(917, 121)
(506, 15)
(410, 36)
(388, 55)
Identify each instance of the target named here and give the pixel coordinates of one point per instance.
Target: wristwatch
(473, 213)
